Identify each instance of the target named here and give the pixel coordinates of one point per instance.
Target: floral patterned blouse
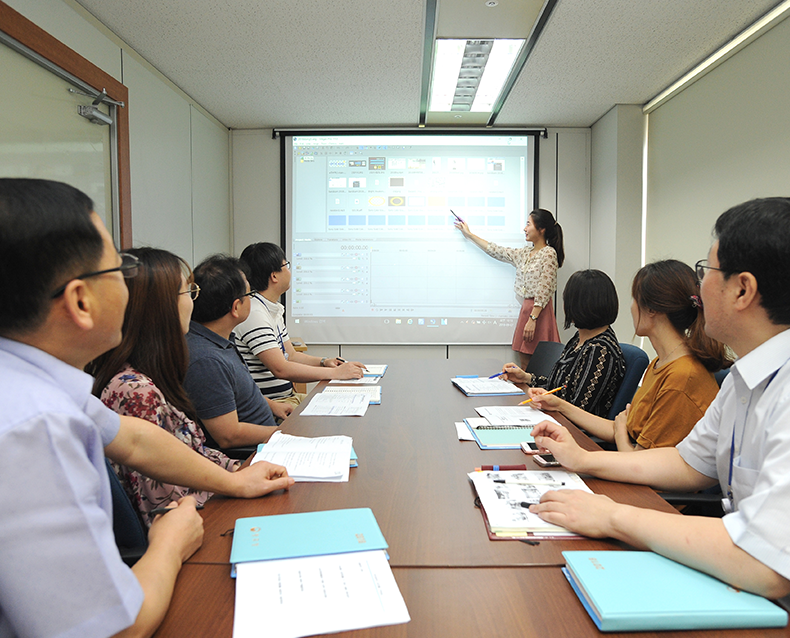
(536, 272)
(131, 393)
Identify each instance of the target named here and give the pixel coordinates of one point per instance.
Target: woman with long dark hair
(536, 278)
(143, 376)
(678, 385)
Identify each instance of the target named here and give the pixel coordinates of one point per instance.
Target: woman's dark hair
(153, 341)
(47, 237)
(221, 281)
(261, 260)
(544, 220)
(669, 287)
(754, 237)
(589, 300)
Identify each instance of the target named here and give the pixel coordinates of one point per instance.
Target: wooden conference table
(412, 474)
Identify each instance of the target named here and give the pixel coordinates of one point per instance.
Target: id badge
(726, 505)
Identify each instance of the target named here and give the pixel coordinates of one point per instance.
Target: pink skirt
(545, 328)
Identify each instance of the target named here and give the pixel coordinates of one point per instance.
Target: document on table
(337, 404)
(506, 496)
(523, 415)
(362, 381)
(463, 432)
(309, 459)
(483, 386)
(375, 369)
(340, 592)
(372, 392)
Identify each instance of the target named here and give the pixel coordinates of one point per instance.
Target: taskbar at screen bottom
(403, 330)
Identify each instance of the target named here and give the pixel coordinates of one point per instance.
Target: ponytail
(544, 220)
(670, 287)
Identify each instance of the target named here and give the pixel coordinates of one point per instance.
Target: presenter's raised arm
(464, 228)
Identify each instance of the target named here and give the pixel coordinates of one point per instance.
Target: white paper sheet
(316, 595)
(372, 392)
(362, 381)
(309, 459)
(463, 432)
(336, 404)
(483, 386)
(514, 415)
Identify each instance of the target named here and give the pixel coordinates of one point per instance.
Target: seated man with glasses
(233, 411)
(263, 337)
(743, 440)
(62, 303)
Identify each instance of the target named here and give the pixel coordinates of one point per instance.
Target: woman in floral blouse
(143, 376)
(536, 278)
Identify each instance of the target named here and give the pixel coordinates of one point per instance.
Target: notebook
(643, 591)
(499, 438)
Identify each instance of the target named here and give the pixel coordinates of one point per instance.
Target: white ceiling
(325, 63)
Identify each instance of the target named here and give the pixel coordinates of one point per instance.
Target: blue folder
(305, 534)
(643, 591)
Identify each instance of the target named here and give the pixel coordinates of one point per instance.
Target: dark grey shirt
(219, 382)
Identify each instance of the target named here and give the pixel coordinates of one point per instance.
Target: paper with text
(337, 404)
(309, 459)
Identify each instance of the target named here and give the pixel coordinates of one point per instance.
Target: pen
(163, 510)
(549, 392)
(507, 482)
(340, 359)
(457, 217)
(526, 504)
(498, 374)
(502, 468)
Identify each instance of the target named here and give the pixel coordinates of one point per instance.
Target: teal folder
(500, 437)
(643, 591)
(305, 534)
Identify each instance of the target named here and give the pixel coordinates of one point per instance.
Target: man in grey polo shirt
(232, 409)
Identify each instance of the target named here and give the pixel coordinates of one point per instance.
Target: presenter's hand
(578, 511)
(464, 228)
(529, 330)
(348, 370)
(180, 531)
(259, 479)
(557, 440)
(513, 373)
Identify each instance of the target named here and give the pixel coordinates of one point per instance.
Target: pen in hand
(163, 510)
(549, 392)
(498, 374)
(457, 217)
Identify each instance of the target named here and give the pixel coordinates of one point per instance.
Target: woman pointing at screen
(536, 278)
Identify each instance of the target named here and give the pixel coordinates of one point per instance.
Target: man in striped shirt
(262, 339)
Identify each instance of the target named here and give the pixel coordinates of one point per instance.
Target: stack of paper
(372, 392)
(362, 381)
(375, 369)
(505, 497)
(331, 563)
(323, 458)
(513, 416)
(337, 404)
(485, 387)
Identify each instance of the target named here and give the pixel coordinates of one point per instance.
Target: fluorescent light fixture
(468, 75)
(751, 33)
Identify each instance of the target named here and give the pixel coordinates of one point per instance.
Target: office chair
(636, 361)
(546, 354)
(721, 375)
(130, 534)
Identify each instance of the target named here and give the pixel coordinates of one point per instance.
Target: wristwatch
(533, 317)
(322, 362)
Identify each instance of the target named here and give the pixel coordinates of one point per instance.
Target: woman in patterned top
(143, 376)
(536, 278)
(678, 385)
(592, 366)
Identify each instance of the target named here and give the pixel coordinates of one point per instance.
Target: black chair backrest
(721, 375)
(636, 361)
(546, 354)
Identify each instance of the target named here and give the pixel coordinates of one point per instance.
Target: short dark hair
(589, 300)
(47, 236)
(261, 260)
(754, 237)
(221, 281)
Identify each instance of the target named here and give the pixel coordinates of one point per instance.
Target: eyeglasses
(248, 294)
(287, 265)
(699, 269)
(130, 266)
(193, 290)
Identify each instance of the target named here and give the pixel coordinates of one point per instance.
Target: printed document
(309, 459)
(296, 597)
(518, 415)
(337, 404)
(373, 392)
